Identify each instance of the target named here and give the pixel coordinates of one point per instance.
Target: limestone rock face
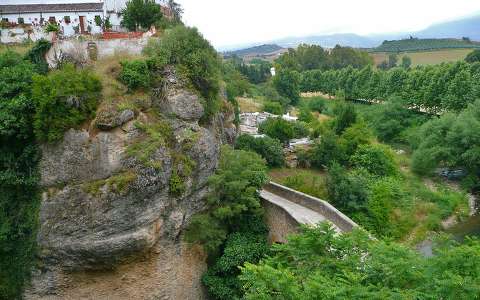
(108, 209)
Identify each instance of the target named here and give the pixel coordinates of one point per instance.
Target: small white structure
(288, 117)
(272, 71)
(300, 142)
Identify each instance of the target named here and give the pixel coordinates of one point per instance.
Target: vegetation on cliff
(319, 264)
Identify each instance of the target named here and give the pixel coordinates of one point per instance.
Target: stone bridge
(286, 209)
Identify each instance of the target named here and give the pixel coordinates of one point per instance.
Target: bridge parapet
(328, 211)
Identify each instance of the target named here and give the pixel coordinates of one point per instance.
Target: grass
(19, 48)
(308, 181)
(249, 105)
(426, 57)
(118, 183)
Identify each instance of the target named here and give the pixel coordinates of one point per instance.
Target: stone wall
(324, 208)
(280, 222)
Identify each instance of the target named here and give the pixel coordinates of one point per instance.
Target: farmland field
(426, 57)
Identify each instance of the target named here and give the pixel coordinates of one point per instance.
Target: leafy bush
(320, 264)
(473, 56)
(273, 108)
(376, 159)
(64, 99)
(240, 247)
(328, 150)
(317, 104)
(37, 55)
(19, 192)
(234, 195)
(278, 128)
(135, 74)
(347, 191)
(345, 116)
(270, 149)
(194, 57)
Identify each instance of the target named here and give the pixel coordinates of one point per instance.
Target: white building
(71, 17)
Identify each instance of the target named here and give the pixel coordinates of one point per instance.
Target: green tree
(141, 14)
(377, 159)
(270, 149)
(287, 83)
(406, 62)
(345, 116)
(278, 128)
(234, 196)
(176, 10)
(19, 192)
(320, 264)
(392, 60)
(473, 56)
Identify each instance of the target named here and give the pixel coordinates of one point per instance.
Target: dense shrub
(473, 56)
(247, 245)
(328, 150)
(194, 57)
(320, 264)
(316, 104)
(270, 149)
(278, 128)
(135, 74)
(233, 196)
(37, 55)
(64, 99)
(347, 191)
(19, 192)
(287, 83)
(345, 116)
(273, 108)
(377, 159)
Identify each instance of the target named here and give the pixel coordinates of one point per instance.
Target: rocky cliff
(117, 196)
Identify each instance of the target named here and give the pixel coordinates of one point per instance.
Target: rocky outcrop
(117, 200)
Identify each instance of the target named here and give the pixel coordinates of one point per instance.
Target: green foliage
(319, 264)
(415, 44)
(345, 116)
(141, 14)
(37, 55)
(194, 57)
(377, 159)
(270, 149)
(450, 140)
(135, 74)
(273, 108)
(406, 62)
(347, 191)
(329, 149)
(64, 99)
(52, 27)
(278, 128)
(19, 192)
(221, 279)
(305, 114)
(448, 86)
(256, 72)
(287, 83)
(234, 195)
(313, 57)
(304, 182)
(473, 56)
(316, 104)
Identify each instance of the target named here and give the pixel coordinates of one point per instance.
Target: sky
(228, 22)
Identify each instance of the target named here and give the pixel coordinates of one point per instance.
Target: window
(52, 20)
(21, 21)
(4, 20)
(66, 19)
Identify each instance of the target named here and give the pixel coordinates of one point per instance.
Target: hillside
(416, 44)
(468, 27)
(265, 49)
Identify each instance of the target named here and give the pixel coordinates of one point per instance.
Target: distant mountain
(262, 50)
(468, 27)
(329, 41)
(465, 27)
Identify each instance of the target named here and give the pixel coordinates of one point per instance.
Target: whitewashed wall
(68, 29)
